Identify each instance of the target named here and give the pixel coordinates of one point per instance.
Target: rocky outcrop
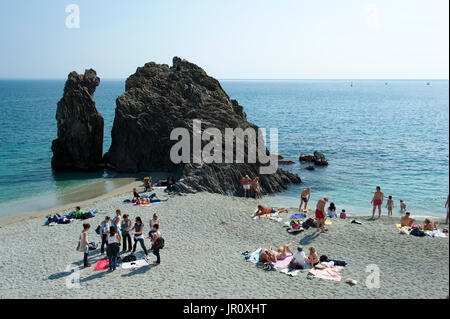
(79, 144)
(318, 158)
(158, 99)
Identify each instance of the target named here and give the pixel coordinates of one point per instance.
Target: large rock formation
(160, 98)
(79, 144)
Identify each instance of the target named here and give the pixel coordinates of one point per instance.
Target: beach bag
(97, 230)
(129, 258)
(159, 243)
(417, 232)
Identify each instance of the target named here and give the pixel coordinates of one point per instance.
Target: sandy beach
(205, 235)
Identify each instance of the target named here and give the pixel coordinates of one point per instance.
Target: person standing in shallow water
(377, 201)
(305, 196)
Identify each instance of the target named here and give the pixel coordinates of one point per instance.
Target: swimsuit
(246, 186)
(377, 202)
(320, 214)
(305, 199)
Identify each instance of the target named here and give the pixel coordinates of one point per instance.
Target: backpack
(159, 243)
(129, 258)
(417, 232)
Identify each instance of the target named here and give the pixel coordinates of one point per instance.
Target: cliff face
(79, 144)
(158, 99)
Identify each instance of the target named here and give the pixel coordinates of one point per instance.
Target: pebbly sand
(205, 235)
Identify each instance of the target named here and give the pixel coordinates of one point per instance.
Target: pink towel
(102, 264)
(283, 263)
(328, 273)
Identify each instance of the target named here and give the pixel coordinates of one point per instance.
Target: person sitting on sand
(147, 184)
(245, 182)
(390, 205)
(78, 212)
(299, 260)
(313, 258)
(255, 188)
(331, 211)
(262, 210)
(85, 245)
(305, 196)
(138, 236)
(402, 206)
(320, 214)
(429, 224)
(407, 220)
(377, 201)
(343, 214)
(136, 196)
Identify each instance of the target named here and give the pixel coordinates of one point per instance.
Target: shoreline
(14, 219)
(205, 236)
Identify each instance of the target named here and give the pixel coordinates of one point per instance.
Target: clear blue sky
(248, 39)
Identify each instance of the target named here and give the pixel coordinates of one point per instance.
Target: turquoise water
(395, 135)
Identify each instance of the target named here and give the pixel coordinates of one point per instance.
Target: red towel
(102, 264)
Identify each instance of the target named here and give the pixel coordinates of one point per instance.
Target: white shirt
(299, 258)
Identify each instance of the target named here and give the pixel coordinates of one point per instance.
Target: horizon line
(259, 79)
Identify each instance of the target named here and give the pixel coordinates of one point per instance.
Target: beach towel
(102, 264)
(280, 264)
(254, 257)
(300, 216)
(135, 264)
(327, 273)
(328, 222)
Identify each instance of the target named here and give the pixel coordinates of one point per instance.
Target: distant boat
(385, 83)
(428, 83)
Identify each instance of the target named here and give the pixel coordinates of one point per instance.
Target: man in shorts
(320, 214)
(377, 200)
(306, 194)
(246, 182)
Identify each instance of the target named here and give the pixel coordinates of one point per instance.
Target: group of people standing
(251, 187)
(121, 231)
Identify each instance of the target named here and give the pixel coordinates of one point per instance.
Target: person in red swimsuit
(320, 214)
(377, 200)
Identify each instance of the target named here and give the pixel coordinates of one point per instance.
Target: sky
(229, 39)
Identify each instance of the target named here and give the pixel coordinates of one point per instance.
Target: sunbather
(429, 224)
(136, 196)
(299, 261)
(262, 210)
(155, 198)
(313, 258)
(407, 220)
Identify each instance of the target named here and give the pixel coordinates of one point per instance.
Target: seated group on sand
(299, 259)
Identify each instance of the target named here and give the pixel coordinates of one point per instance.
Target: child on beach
(402, 206)
(343, 214)
(313, 258)
(78, 212)
(390, 205)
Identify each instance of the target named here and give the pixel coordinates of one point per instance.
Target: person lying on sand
(407, 220)
(143, 201)
(429, 224)
(272, 257)
(155, 198)
(262, 210)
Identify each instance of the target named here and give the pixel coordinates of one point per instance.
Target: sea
(388, 133)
